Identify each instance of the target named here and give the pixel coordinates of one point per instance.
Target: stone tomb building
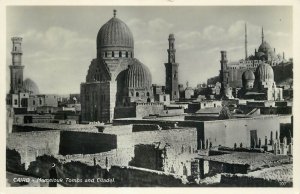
(115, 78)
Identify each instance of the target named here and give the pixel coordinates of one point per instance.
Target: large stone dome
(138, 76)
(264, 47)
(30, 86)
(267, 50)
(115, 35)
(248, 75)
(264, 73)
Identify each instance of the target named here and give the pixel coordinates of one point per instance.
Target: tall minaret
(262, 34)
(224, 72)
(246, 52)
(172, 71)
(16, 68)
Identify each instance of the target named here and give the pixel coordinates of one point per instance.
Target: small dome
(264, 72)
(30, 86)
(138, 76)
(114, 33)
(248, 75)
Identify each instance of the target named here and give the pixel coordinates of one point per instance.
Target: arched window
(126, 54)
(105, 54)
(120, 54)
(148, 100)
(148, 94)
(137, 94)
(113, 54)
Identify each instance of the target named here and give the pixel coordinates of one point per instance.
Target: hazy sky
(60, 42)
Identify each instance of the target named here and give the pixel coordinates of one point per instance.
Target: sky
(59, 42)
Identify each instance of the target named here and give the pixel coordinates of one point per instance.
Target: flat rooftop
(255, 160)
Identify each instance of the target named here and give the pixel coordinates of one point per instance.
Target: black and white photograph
(149, 96)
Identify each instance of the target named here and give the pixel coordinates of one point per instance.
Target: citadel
(237, 130)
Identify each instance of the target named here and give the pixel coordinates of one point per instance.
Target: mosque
(24, 95)
(264, 54)
(119, 85)
(252, 77)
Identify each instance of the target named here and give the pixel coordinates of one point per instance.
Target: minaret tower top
(171, 50)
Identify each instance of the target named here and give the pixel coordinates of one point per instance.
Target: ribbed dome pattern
(248, 75)
(264, 72)
(138, 76)
(30, 86)
(114, 33)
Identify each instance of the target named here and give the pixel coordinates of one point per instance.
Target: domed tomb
(115, 39)
(264, 72)
(30, 86)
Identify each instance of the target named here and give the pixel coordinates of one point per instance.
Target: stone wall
(145, 127)
(146, 109)
(147, 156)
(96, 101)
(74, 142)
(121, 176)
(228, 132)
(125, 112)
(33, 144)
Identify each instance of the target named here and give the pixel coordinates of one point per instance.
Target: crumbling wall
(180, 145)
(147, 156)
(74, 142)
(13, 161)
(33, 144)
(138, 177)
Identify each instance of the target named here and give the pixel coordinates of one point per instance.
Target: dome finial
(115, 13)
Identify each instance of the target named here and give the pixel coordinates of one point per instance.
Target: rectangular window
(16, 102)
(165, 98)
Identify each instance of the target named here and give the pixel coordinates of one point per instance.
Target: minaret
(16, 69)
(246, 52)
(262, 34)
(172, 71)
(223, 72)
